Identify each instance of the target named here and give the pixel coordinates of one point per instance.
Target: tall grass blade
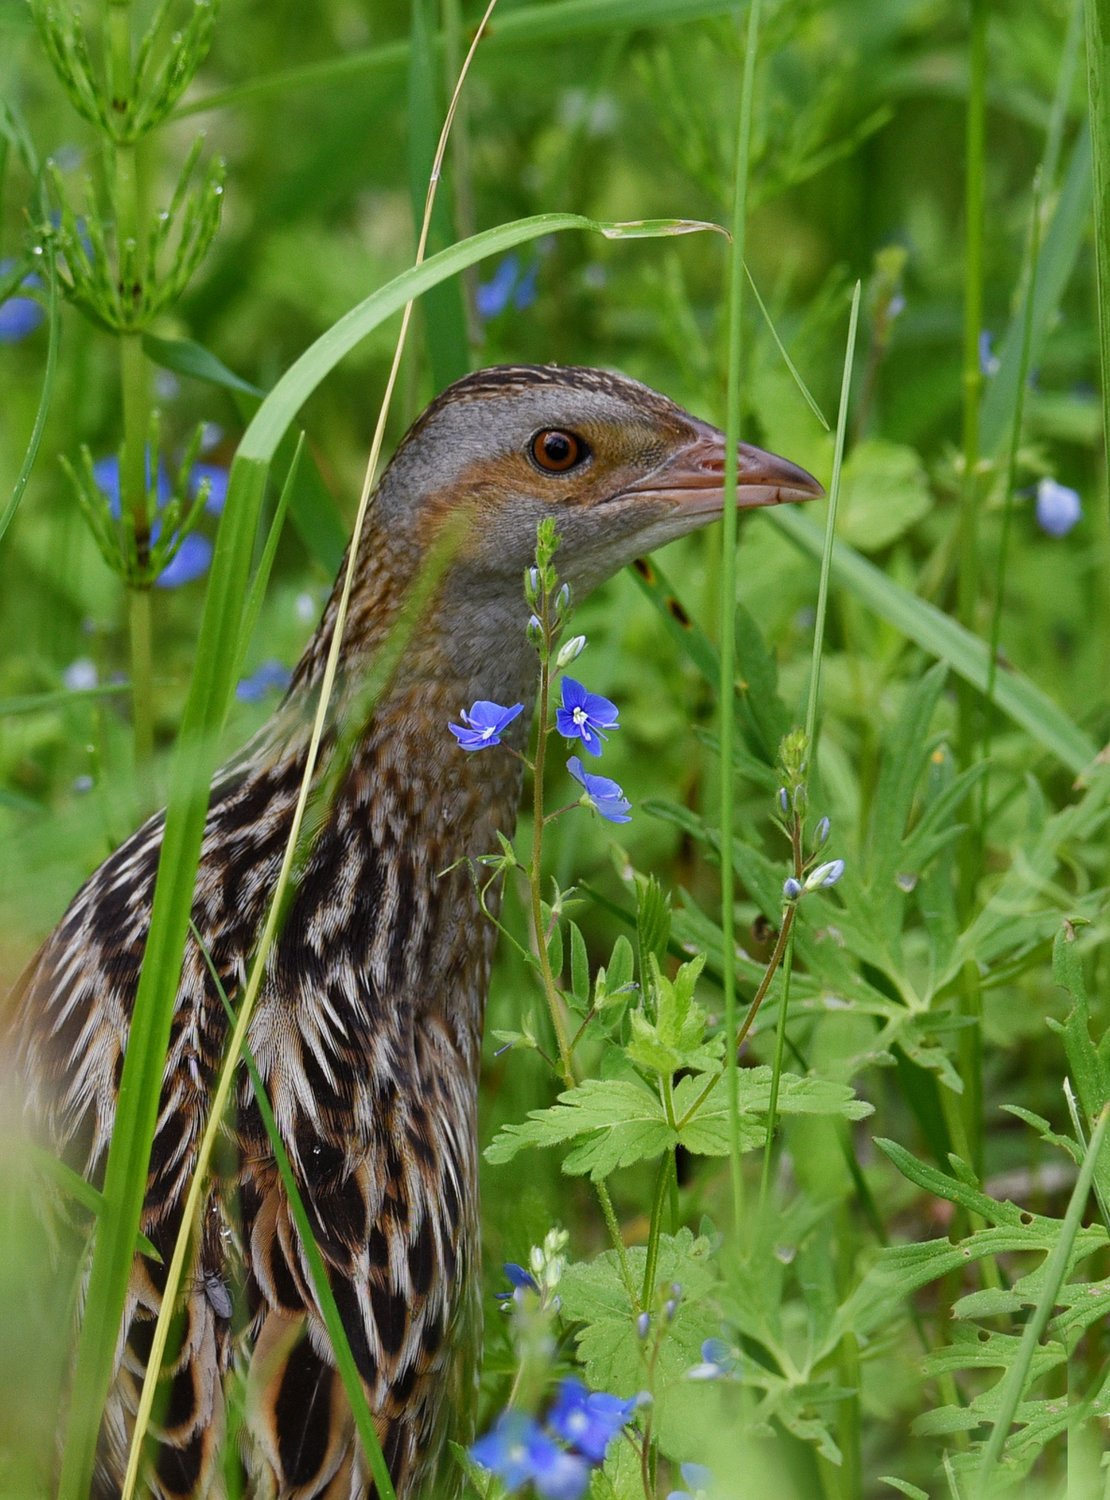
(1098, 93)
(1021, 700)
(35, 440)
(726, 688)
(830, 522)
(1015, 1378)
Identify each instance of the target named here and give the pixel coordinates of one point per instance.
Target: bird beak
(694, 478)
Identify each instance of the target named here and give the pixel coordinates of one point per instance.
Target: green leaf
(653, 922)
(673, 1039)
(185, 357)
(886, 490)
(616, 1358)
(612, 985)
(945, 639)
(613, 1123)
(579, 968)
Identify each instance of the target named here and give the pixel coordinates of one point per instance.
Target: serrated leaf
(653, 921)
(613, 1123)
(616, 1358)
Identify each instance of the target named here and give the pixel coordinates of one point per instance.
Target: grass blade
(726, 689)
(1013, 1382)
(1021, 700)
(1098, 93)
(35, 439)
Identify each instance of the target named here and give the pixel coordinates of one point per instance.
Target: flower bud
(821, 832)
(827, 874)
(791, 889)
(643, 1324)
(670, 1307)
(784, 800)
(562, 598)
(570, 651)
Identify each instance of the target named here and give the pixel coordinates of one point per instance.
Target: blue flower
(507, 284)
(518, 1450)
(193, 556)
(188, 563)
(698, 1477)
(1058, 508)
(267, 677)
(989, 362)
(585, 716)
(718, 1361)
(520, 1278)
(217, 477)
(603, 795)
(484, 724)
(19, 316)
(588, 1420)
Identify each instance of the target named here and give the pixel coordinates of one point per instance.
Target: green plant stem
(1017, 1375)
(776, 1075)
(1098, 92)
(727, 686)
(613, 1225)
(1008, 510)
(127, 196)
(550, 989)
(655, 1230)
(967, 593)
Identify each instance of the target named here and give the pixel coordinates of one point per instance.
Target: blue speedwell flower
(518, 1450)
(588, 1420)
(19, 315)
(508, 284)
(270, 676)
(585, 716)
(1058, 507)
(698, 1477)
(520, 1278)
(484, 723)
(192, 558)
(602, 794)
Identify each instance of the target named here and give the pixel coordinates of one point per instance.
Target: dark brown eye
(556, 452)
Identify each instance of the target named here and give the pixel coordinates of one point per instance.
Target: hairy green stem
(550, 989)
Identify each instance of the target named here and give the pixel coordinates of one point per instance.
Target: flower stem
(550, 989)
(618, 1242)
(127, 199)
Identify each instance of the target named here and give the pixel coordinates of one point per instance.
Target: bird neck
(406, 811)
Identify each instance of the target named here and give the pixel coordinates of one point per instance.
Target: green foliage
(948, 994)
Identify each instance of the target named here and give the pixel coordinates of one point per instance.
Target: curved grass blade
(39, 424)
(1021, 700)
(302, 378)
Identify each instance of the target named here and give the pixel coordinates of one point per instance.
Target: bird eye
(556, 452)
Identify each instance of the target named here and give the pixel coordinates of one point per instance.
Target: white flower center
(581, 716)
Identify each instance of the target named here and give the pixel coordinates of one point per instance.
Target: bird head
(620, 469)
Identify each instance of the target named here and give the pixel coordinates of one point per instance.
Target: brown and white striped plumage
(368, 1027)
